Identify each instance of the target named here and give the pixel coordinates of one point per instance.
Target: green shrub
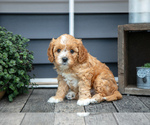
(15, 63)
(147, 65)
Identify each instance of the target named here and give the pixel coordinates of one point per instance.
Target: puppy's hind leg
(98, 98)
(106, 89)
(99, 87)
(115, 96)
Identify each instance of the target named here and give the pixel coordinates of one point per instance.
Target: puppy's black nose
(65, 59)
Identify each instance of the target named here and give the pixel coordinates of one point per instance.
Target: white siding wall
(96, 23)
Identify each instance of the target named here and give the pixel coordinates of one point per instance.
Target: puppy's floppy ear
(50, 53)
(83, 54)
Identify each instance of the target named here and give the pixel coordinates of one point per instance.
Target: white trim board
(44, 81)
(49, 81)
(43, 86)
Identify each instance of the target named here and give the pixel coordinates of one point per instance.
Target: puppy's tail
(116, 96)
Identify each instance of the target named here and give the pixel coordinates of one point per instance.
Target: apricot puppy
(79, 72)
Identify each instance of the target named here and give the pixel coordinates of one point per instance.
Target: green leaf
(24, 56)
(17, 55)
(6, 66)
(17, 79)
(10, 97)
(21, 72)
(12, 63)
(1, 83)
(11, 71)
(2, 62)
(7, 76)
(1, 56)
(1, 73)
(16, 92)
(5, 55)
(8, 43)
(12, 87)
(20, 84)
(21, 61)
(1, 68)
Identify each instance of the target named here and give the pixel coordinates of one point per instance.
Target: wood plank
(68, 106)
(131, 119)
(132, 89)
(121, 59)
(38, 119)
(130, 104)
(68, 119)
(145, 100)
(101, 119)
(147, 115)
(38, 101)
(120, 49)
(137, 27)
(16, 105)
(103, 107)
(11, 118)
(121, 83)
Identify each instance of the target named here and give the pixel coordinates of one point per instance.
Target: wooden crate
(133, 51)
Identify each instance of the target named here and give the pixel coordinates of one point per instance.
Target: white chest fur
(70, 79)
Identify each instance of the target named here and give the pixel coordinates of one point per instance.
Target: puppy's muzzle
(64, 59)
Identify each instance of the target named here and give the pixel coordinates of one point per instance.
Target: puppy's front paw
(71, 95)
(93, 100)
(53, 99)
(83, 102)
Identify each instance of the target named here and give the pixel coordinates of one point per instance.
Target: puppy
(80, 72)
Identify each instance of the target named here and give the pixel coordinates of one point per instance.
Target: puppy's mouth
(64, 64)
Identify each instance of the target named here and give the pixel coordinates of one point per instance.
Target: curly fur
(80, 73)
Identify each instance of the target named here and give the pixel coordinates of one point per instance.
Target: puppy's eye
(72, 51)
(58, 50)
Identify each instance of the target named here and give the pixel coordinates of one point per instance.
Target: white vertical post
(139, 11)
(71, 17)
